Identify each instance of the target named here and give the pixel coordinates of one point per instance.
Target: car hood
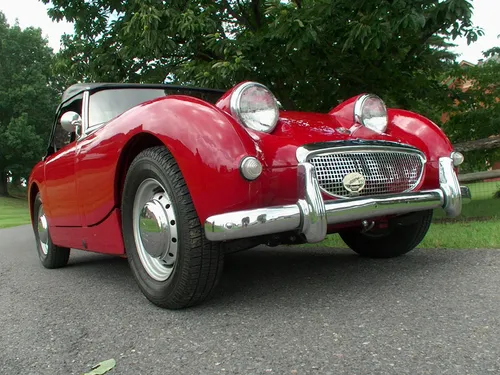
(295, 129)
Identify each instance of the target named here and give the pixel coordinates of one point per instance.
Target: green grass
(483, 190)
(13, 212)
(482, 206)
(484, 209)
(463, 235)
(477, 227)
(458, 235)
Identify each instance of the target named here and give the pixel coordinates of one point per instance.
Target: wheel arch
(33, 191)
(138, 143)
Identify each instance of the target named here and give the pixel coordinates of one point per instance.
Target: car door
(61, 203)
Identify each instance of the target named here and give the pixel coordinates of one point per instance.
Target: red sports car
(173, 178)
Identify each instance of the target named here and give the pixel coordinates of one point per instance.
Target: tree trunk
(3, 184)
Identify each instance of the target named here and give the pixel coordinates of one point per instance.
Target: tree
(475, 114)
(27, 101)
(311, 53)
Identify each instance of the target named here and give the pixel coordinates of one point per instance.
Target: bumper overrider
(311, 214)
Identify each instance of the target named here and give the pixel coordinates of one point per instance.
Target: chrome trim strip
(358, 108)
(85, 112)
(345, 210)
(311, 204)
(303, 153)
(86, 129)
(252, 223)
(358, 111)
(85, 117)
(223, 227)
(354, 142)
(448, 181)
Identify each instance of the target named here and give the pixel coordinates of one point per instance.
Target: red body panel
(103, 238)
(208, 145)
(61, 188)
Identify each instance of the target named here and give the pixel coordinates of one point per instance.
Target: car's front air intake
(367, 172)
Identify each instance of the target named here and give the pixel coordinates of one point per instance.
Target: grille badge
(354, 182)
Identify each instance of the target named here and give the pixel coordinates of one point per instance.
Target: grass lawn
(483, 209)
(483, 190)
(477, 227)
(464, 235)
(13, 212)
(457, 235)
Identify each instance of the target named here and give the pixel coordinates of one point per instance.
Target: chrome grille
(384, 171)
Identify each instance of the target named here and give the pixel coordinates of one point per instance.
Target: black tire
(199, 262)
(54, 256)
(400, 238)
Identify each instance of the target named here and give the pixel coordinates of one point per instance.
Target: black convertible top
(78, 88)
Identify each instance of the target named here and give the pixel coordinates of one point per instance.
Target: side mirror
(71, 122)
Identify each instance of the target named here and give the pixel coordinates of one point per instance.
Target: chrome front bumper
(311, 214)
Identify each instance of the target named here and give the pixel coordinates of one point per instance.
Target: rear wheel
(173, 263)
(399, 238)
(51, 256)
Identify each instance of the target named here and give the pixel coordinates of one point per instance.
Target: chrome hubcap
(155, 229)
(43, 231)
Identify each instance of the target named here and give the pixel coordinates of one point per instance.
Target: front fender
(208, 145)
(419, 131)
(404, 126)
(424, 134)
(206, 142)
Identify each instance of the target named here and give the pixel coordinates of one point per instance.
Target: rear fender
(35, 186)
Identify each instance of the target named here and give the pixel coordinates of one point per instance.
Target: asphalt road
(277, 311)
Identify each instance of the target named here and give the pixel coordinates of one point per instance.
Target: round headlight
(255, 106)
(371, 112)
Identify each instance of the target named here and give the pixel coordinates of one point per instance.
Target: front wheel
(173, 263)
(399, 238)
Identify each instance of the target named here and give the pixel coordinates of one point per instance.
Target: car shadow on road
(106, 269)
(296, 275)
(302, 275)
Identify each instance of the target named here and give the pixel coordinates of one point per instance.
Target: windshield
(107, 104)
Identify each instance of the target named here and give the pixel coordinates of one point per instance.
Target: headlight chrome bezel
(360, 115)
(235, 106)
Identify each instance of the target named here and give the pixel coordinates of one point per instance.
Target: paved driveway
(277, 311)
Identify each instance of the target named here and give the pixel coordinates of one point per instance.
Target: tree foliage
(311, 53)
(476, 110)
(27, 100)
